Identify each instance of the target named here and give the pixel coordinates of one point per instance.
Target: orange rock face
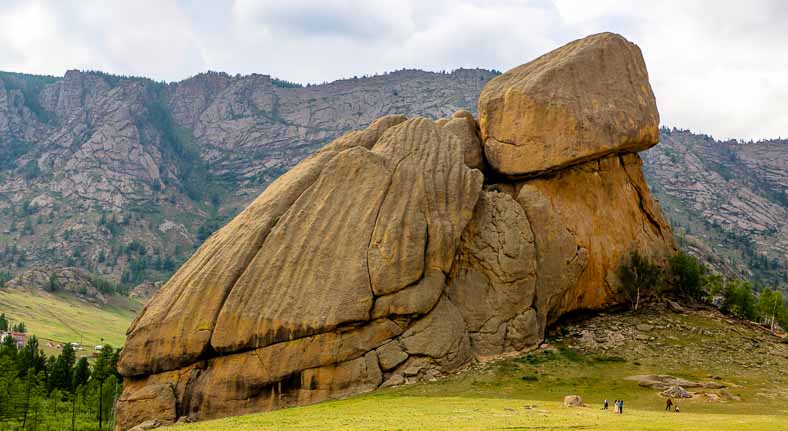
(382, 259)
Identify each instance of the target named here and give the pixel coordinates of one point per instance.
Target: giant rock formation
(412, 248)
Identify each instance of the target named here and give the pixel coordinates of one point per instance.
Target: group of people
(618, 406)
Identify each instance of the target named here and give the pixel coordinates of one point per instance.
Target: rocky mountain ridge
(96, 168)
(727, 201)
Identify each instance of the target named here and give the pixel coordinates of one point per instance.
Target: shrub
(687, 275)
(738, 299)
(571, 354)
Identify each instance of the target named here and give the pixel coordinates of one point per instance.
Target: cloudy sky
(719, 67)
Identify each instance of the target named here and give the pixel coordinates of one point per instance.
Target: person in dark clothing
(605, 407)
(668, 404)
(621, 407)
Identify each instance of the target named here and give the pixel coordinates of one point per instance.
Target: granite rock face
(587, 99)
(384, 259)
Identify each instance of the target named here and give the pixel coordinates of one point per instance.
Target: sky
(717, 67)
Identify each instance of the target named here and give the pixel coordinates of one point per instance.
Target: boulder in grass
(573, 401)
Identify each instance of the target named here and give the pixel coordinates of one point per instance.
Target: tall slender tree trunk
(74, 411)
(101, 387)
(27, 400)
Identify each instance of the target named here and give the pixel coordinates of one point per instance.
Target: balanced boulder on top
(585, 100)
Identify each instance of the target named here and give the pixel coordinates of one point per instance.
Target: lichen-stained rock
(579, 102)
(162, 337)
(304, 387)
(586, 219)
(293, 287)
(390, 355)
(559, 259)
(418, 298)
(494, 275)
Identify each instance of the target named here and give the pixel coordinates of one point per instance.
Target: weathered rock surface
(586, 219)
(587, 99)
(381, 260)
(573, 401)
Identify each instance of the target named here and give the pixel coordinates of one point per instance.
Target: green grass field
(392, 411)
(62, 317)
(526, 393)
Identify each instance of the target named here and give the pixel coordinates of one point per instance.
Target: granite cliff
(409, 249)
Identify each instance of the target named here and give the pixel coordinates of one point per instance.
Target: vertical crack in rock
(641, 199)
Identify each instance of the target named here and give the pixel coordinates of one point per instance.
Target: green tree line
(40, 392)
(685, 276)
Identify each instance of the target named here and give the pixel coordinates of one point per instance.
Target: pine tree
(81, 373)
(62, 371)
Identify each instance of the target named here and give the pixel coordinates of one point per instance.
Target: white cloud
(717, 67)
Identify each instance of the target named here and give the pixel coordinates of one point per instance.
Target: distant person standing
(615, 406)
(621, 407)
(668, 404)
(605, 406)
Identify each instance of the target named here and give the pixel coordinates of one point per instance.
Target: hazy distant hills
(126, 176)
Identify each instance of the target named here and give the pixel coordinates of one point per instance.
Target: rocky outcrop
(586, 99)
(384, 259)
(59, 278)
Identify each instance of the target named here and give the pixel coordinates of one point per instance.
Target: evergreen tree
(3, 322)
(53, 285)
(31, 357)
(62, 371)
(687, 275)
(81, 373)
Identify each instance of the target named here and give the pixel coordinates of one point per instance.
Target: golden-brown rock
(161, 338)
(464, 126)
(494, 275)
(579, 102)
(586, 219)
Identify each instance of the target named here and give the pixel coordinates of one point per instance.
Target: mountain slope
(727, 201)
(124, 176)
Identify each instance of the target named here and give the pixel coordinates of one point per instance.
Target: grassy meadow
(62, 317)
